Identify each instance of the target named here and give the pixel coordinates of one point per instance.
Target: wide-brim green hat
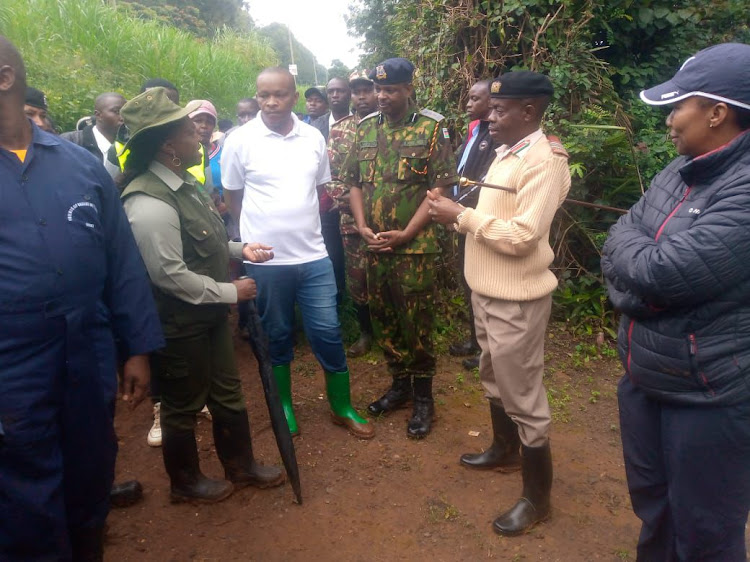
(150, 110)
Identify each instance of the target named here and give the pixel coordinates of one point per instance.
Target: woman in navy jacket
(678, 268)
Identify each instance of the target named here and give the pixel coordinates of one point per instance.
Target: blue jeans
(312, 286)
(688, 470)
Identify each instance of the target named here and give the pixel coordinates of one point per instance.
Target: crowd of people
(128, 239)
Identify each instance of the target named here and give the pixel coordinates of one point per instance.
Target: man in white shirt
(272, 169)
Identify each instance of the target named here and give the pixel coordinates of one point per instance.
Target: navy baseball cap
(315, 91)
(721, 73)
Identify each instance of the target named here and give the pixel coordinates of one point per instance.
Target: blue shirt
(65, 243)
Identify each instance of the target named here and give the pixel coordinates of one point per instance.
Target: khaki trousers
(511, 335)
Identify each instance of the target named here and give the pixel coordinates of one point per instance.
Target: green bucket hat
(150, 110)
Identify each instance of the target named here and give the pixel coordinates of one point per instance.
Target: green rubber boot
(283, 376)
(339, 397)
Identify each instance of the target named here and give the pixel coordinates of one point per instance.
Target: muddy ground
(392, 498)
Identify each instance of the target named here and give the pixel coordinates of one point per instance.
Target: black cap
(721, 73)
(392, 71)
(36, 98)
(521, 84)
(315, 91)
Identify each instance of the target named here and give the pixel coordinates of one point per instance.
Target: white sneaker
(154, 434)
(205, 413)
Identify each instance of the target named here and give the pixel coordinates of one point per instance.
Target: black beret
(36, 98)
(392, 71)
(521, 84)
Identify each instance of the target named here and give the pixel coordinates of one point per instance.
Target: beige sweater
(507, 244)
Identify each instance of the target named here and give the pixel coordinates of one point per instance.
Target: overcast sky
(318, 25)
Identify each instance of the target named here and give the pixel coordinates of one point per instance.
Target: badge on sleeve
(446, 134)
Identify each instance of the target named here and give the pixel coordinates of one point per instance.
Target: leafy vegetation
(77, 49)
(310, 72)
(201, 17)
(598, 55)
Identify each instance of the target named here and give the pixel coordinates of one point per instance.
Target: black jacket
(479, 160)
(86, 139)
(678, 267)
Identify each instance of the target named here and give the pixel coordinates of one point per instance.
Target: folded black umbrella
(259, 343)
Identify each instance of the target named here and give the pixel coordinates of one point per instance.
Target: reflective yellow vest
(198, 171)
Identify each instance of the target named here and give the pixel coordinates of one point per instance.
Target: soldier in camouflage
(400, 153)
(340, 143)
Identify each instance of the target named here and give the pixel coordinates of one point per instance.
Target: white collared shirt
(101, 142)
(280, 175)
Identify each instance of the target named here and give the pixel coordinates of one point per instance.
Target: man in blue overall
(72, 281)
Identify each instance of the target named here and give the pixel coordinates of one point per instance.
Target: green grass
(77, 49)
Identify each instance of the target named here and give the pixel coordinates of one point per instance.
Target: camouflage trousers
(355, 253)
(401, 291)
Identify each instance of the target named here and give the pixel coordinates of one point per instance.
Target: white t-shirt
(280, 175)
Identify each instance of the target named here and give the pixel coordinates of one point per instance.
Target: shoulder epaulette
(556, 146)
(431, 114)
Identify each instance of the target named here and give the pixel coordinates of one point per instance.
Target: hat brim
(174, 116)
(361, 80)
(315, 92)
(664, 94)
(203, 111)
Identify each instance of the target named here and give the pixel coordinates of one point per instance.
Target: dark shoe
(463, 349)
(87, 544)
(423, 414)
(471, 363)
(342, 412)
(503, 454)
(398, 396)
(126, 494)
(187, 481)
(361, 346)
(534, 504)
(234, 447)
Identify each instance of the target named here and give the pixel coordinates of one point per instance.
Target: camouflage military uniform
(340, 143)
(395, 164)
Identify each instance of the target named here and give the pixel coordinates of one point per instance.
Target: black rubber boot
(364, 343)
(534, 504)
(126, 494)
(420, 423)
(87, 545)
(234, 448)
(503, 454)
(188, 483)
(464, 348)
(398, 396)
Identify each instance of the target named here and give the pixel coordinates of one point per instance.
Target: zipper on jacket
(693, 349)
(679, 204)
(630, 347)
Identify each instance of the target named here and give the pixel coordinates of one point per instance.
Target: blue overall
(71, 281)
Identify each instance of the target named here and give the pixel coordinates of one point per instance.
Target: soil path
(392, 498)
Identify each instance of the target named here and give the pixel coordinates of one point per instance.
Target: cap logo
(669, 95)
(684, 64)
(495, 87)
(380, 72)
(44, 100)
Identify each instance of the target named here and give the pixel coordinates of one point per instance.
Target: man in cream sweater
(507, 267)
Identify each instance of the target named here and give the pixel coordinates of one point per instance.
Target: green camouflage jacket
(395, 164)
(340, 143)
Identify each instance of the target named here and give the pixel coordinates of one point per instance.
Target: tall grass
(77, 49)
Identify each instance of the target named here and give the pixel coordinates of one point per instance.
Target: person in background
(474, 158)
(35, 108)
(223, 125)
(98, 137)
(676, 266)
(340, 144)
(247, 110)
(400, 152)
(272, 169)
(184, 246)
(73, 283)
(508, 255)
(316, 104)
